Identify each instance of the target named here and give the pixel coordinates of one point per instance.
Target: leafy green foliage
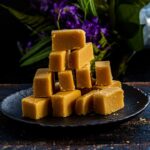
(103, 41)
(88, 7)
(128, 13)
(128, 18)
(140, 3)
(136, 43)
(101, 7)
(92, 7)
(37, 47)
(100, 54)
(36, 23)
(37, 57)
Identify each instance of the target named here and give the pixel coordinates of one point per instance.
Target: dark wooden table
(134, 134)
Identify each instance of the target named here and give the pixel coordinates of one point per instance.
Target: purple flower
(57, 8)
(45, 4)
(67, 15)
(71, 17)
(92, 29)
(71, 9)
(41, 5)
(104, 30)
(29, 45)
(24, 46)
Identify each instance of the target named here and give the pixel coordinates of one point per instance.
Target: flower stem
(58, 24)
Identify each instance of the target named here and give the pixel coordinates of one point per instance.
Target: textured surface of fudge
(35, 108)
(83, 77)
(103, 73)
(66, 81)
(63, 103)
(57, 61)
(108, 100)
(68, 39)
(115, 83)
(84, 104)
(81, 57)
(43, 83)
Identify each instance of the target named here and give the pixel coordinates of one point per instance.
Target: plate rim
(75, 125)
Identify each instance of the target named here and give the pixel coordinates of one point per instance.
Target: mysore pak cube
(35, 108)
(108, 100)
(68, 39)
(43, 83)
(84, 104)
(79, 58)
(83, 77)
(63, 103)
(57, 61)
(103, 73)
(66, 81)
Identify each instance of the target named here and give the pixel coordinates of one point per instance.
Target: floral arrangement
(107, 23)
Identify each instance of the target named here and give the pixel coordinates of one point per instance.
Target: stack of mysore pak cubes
(75, 92)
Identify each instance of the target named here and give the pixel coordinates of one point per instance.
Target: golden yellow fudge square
(103, 73)
(108, 100)
(35, 108)
(66, 81)
(43, 83)
(68, 39)
(81, 57)
(57, 61)
(84, 104)
(83, 77)
(63, 103)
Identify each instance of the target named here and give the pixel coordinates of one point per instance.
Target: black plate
(135, 102)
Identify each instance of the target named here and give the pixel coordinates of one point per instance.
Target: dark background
(10, 72)
(11, 30)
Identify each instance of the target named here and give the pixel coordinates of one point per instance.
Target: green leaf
(136, 43)
(140, 3)
(88, 7)
(40, 44)
(92, 7)
(36, 23)
(84, 6)
(128, 13)
(128, 17)
(37, 57)
(101, 55)
(103, 41)
(101, 7)
(96, 50)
